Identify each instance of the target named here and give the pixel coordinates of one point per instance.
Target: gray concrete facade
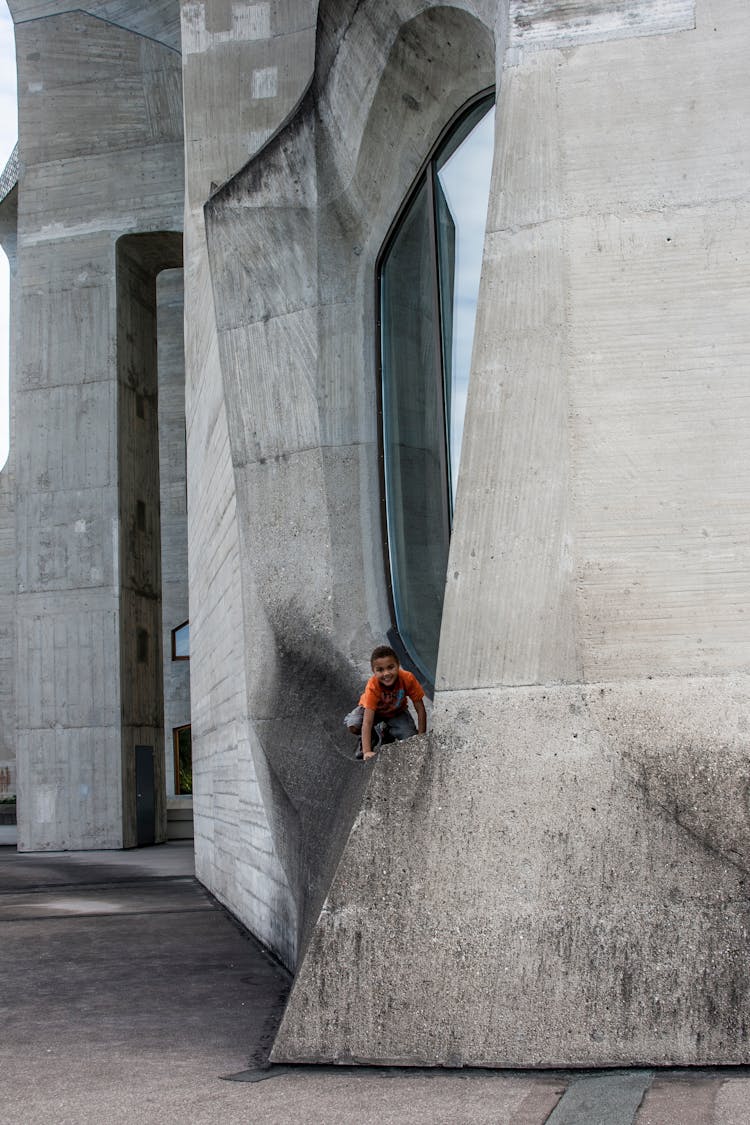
(8, 229)
(554, 875)
(545, 849)
(97, 166)
(175, 608)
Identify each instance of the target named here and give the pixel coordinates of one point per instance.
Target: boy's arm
(367, 723)
(419, 707)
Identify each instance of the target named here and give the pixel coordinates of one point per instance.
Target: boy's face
(386, 670)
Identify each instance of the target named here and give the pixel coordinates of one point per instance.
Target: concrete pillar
(139, 258)
(268, 56)
(556, 875)
(95, 165)
(173, 503)
(8, 239)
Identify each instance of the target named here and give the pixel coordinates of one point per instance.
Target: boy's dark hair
(381, 651)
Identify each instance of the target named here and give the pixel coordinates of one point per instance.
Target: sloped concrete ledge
(554, 24)
(568, 886)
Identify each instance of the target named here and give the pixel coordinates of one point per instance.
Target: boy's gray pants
(401, 725)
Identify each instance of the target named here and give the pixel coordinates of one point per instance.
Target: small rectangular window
(183, 760)
(181, 642)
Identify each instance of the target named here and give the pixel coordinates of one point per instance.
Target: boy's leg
(353, 721)
(402, 725)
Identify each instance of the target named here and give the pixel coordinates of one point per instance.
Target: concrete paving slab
(732, 1105)
(404, 1098)
(687, 1098)
(612, 1098)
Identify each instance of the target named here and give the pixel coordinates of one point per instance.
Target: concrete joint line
(589, 685)
(287, 455)
(101, 19)
(624, 212)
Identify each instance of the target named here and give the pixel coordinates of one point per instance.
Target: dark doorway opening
(145, 796)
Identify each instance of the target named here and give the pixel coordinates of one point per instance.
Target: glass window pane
(181, 642)
(429, 291)
(183, 761)
(463, 167)
(414, 433)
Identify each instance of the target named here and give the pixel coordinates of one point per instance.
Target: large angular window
(429, 283)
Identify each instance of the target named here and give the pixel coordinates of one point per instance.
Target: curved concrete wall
(293, 241)
(268, 56)
(555, 877)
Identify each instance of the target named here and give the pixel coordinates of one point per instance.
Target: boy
(384, 700)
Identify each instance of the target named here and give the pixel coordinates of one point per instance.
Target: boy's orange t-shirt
(390, 701)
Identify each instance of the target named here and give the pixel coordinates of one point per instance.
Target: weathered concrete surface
(154, 19)
(553, 876)
(162, 999)
(267, 52)
(587, 341)
(559, 872)
(599, 557)
(293, 241)
(568, 23)
(7, 633)
(8, 239)
(100, 139)
(170, 311)
(137, 998)
(139, 258)
(601, 491)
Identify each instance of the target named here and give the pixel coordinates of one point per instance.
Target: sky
(8, 137)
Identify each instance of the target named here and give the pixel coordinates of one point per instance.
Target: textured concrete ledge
(555, 876)
(568, 23)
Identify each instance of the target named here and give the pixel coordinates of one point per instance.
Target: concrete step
(180, 818)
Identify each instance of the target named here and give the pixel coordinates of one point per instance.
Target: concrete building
(527, 468)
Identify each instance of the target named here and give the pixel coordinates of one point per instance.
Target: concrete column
(95, 164)
(173, 503)
(556, 875)
(8, 238)
(267, 55)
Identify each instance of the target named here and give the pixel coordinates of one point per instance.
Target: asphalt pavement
(129, 995)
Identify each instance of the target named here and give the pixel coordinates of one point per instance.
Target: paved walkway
(127, 995)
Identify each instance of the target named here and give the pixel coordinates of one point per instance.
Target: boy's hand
(367, 725)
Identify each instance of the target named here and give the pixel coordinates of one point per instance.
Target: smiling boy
(385, 700)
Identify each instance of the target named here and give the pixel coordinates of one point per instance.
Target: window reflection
(181, 642)
(463, 169)
(429, 285)
(183, 760)
(414, 433)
